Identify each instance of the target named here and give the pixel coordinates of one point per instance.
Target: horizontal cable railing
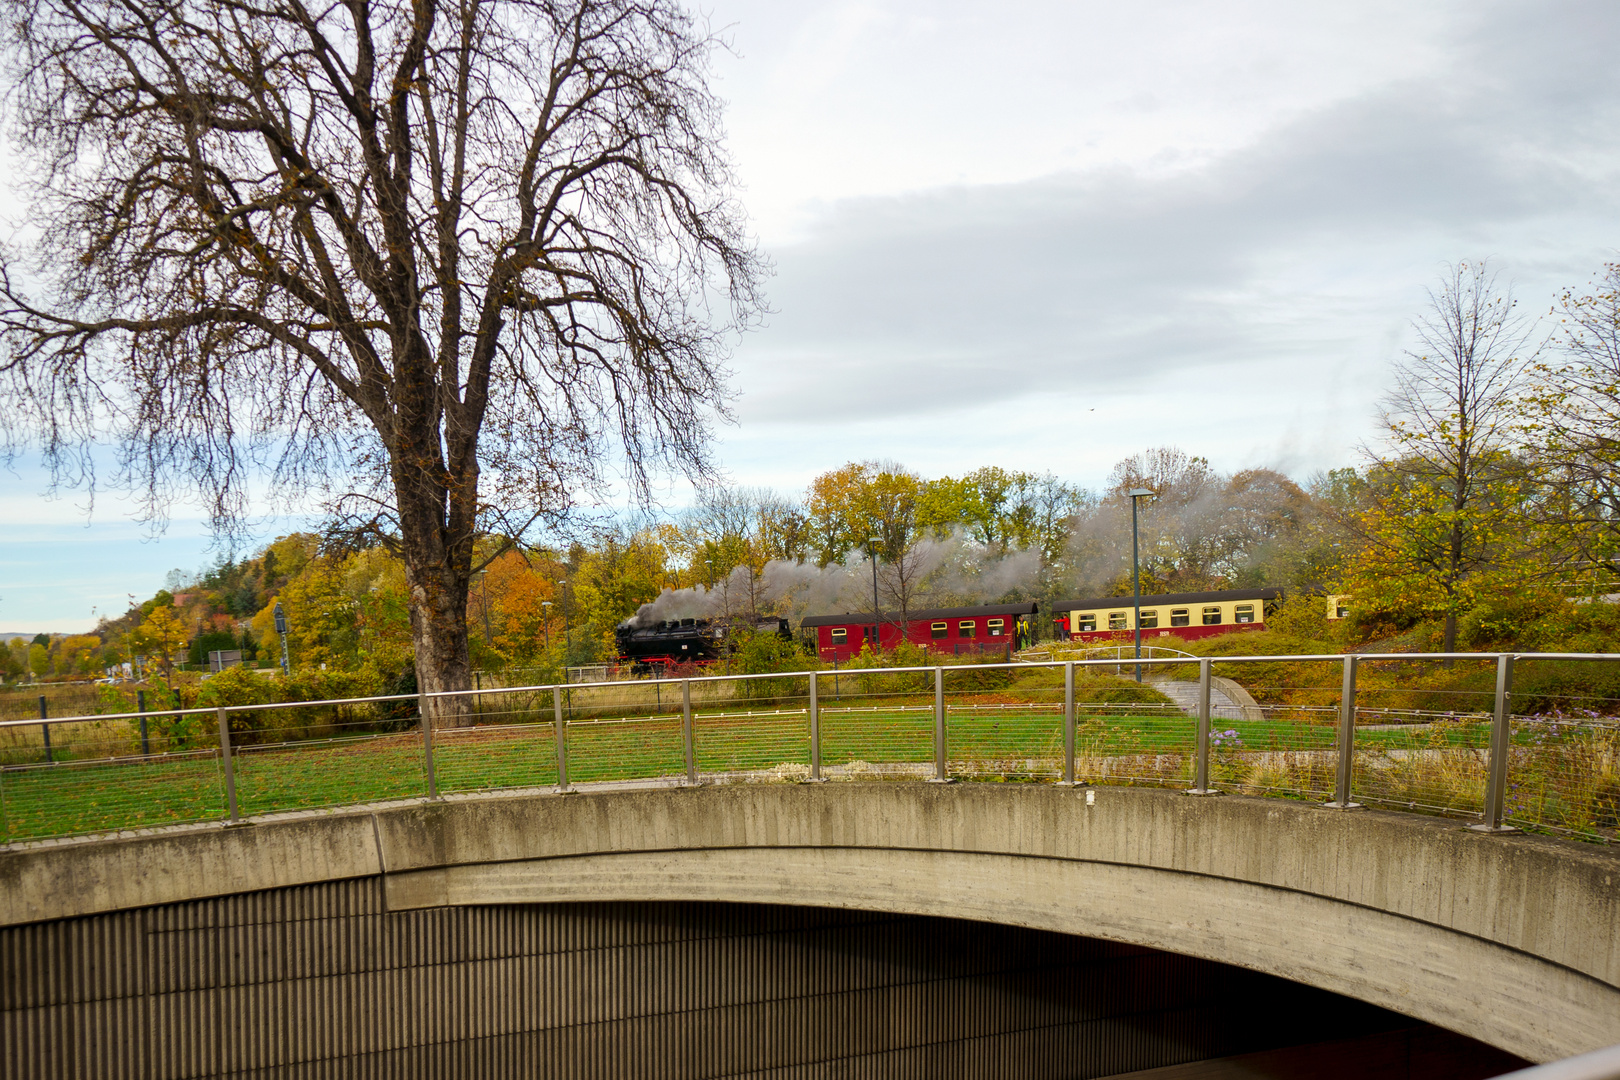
(1344, 745)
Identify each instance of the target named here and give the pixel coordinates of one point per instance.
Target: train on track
(983, 629)
(987, 628)
(659, 646)
(1187, 616)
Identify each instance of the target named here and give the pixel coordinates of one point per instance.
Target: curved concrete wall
(315, 982)
(1512, 940)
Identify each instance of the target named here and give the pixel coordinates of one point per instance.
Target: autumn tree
(730, 537)
(516, 598)
(77, 653)
(160, 634)
(1201, 530)
(438, 264)
(624, 571)
(1177, 530)
(1444, 488)
(1422, 556)
(849, 506)
(1574, 426)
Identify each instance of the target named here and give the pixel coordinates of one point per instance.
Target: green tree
(1424, 556)
(609, 584)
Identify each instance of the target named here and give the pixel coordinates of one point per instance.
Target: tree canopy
(439, 264)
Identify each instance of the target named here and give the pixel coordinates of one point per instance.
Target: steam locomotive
(686, 641)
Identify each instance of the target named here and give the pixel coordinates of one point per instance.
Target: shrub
(239, 688)
(762, 654)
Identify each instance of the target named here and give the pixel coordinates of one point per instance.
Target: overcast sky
(1049, 235)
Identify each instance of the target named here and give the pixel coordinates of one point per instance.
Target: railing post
(427, 746)
(1201, 754)
(1347, 739)
(1068, 726)
(46, 728)
(140, 706)
(815, 733)
(561, 726)
(686, 731)
(941, 769)
(1501, 741)
(230, 765)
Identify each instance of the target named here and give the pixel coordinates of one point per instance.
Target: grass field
(996, 740)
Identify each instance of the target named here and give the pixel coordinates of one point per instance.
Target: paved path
(1185, 695)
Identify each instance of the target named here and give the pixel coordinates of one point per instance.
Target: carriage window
(939, 630)
(839, 635)
(1150, 619)
(994, 627)
(1179, 617)
(966, 628)
(1088, 622)
(869, 633)
(1212, 616)
(1116, 620)
(1243, 613)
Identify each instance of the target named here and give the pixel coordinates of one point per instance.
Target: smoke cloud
(934, 572)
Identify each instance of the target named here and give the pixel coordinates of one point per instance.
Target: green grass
(988, 740)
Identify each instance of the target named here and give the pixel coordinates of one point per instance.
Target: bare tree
(1575, 430)
(903, 573)
(1449, 422)
(437, 262)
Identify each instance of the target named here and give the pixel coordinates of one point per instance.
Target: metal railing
(229, 762)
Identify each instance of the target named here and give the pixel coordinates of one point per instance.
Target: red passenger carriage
(987, 628)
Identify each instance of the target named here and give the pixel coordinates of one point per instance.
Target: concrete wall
(1511, 940)
(320, 981)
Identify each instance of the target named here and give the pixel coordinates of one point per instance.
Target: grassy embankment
(1564, 770)
(1013, 731)
(1564, 775)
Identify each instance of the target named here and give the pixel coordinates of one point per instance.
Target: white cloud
(1047, 234)
(1245, 306)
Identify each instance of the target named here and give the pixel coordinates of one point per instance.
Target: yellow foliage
(1425, 557)
(161, 634)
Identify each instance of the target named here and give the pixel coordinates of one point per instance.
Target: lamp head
(1138, 493)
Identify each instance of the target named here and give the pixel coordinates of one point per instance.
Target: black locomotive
(686, 641)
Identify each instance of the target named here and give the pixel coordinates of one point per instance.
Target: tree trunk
(436, 535)
(439, 632)
(1449, 644)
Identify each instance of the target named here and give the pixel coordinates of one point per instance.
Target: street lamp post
(871, 547)
(281, 629)
(1136, 578)
(568, 629)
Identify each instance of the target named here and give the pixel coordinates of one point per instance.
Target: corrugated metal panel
(319, 981)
